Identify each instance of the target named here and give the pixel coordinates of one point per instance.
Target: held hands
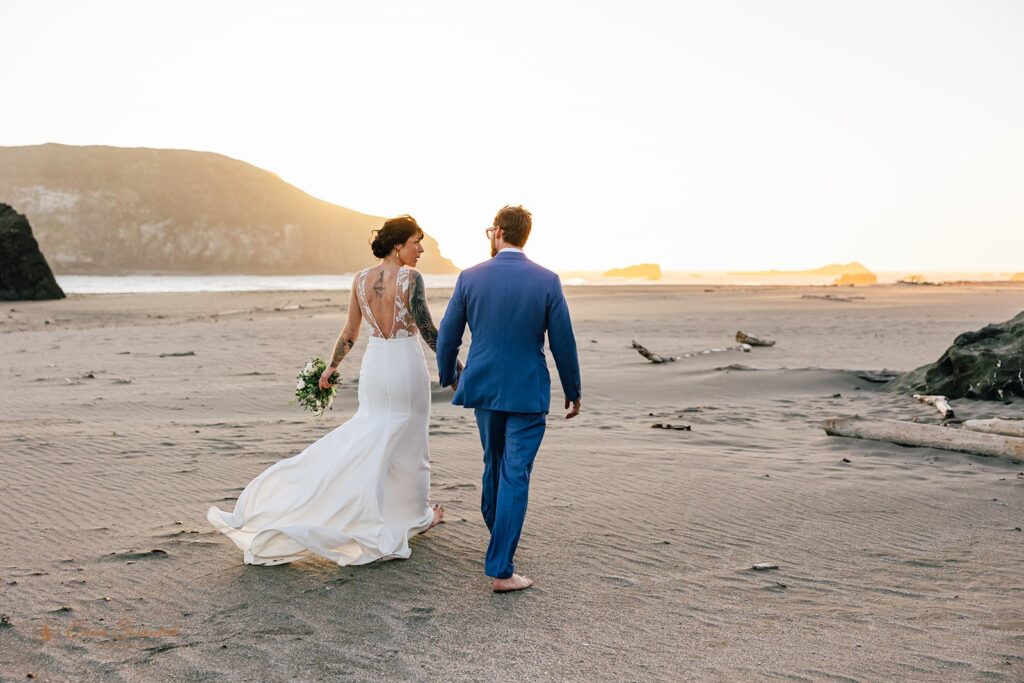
(325, 377)
(458, 373)
(575, 408)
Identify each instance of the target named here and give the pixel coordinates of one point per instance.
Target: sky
(722, 135)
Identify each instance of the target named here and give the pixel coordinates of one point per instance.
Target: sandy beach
(124, 417)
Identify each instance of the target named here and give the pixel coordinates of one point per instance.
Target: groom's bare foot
(512, 583)
(438, 517)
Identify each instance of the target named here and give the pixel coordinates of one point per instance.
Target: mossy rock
(984, 364)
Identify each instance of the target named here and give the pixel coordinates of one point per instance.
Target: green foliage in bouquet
(308, 393)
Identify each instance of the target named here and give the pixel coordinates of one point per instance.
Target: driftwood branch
(928, 436)
(938, 402)
(653, 357)
(744, 338)
(745, 348)
(996, 425)
(831, 297)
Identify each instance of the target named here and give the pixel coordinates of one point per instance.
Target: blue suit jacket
(509, 303)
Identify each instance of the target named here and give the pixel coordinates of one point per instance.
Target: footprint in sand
(622, 581)
(453, 487)
(134, 556)
(419, 614)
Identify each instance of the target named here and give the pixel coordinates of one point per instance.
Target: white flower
(300, 384)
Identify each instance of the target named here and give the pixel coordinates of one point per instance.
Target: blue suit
(509, 303)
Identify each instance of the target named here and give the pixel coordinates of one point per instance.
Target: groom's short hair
(515, 222)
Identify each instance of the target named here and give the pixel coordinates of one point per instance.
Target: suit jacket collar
(511, 255)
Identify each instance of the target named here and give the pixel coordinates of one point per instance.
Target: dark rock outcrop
(24, 273)
(984, 364)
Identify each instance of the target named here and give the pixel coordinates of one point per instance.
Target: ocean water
(129, 284)
(132, 284)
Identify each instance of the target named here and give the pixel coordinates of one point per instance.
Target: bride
(360, 492)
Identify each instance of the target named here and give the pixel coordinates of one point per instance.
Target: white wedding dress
(360, 492)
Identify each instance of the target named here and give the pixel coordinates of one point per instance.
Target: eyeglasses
(490, 232)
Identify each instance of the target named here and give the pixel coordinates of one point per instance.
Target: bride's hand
(458, 374)
(325, 377)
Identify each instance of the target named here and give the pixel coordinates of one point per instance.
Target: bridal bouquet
(308, 393)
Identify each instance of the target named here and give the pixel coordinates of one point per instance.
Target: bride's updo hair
(394, 232)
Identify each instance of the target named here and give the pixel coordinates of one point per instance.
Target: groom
(509, 303)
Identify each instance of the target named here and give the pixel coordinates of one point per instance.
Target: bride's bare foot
(438, 517)
(512, 583)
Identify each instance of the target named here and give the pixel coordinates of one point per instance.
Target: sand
(893, 564)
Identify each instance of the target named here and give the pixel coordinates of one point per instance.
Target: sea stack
(856, 279)
(645, 271)
(24, 272)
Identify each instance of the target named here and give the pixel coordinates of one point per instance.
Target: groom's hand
(575, 408)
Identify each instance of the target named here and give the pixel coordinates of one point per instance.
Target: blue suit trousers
(510, 442)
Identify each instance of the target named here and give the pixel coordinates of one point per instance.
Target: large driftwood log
(744, 338)
(928, 436)
(940, 403)
(996, 425)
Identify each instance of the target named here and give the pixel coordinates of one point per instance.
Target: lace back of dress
(403, 325)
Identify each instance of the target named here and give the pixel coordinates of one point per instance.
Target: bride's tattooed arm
(342, 347)
(347, 338)
(421, 312)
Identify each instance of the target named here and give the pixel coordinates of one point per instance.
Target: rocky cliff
(109, 210)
